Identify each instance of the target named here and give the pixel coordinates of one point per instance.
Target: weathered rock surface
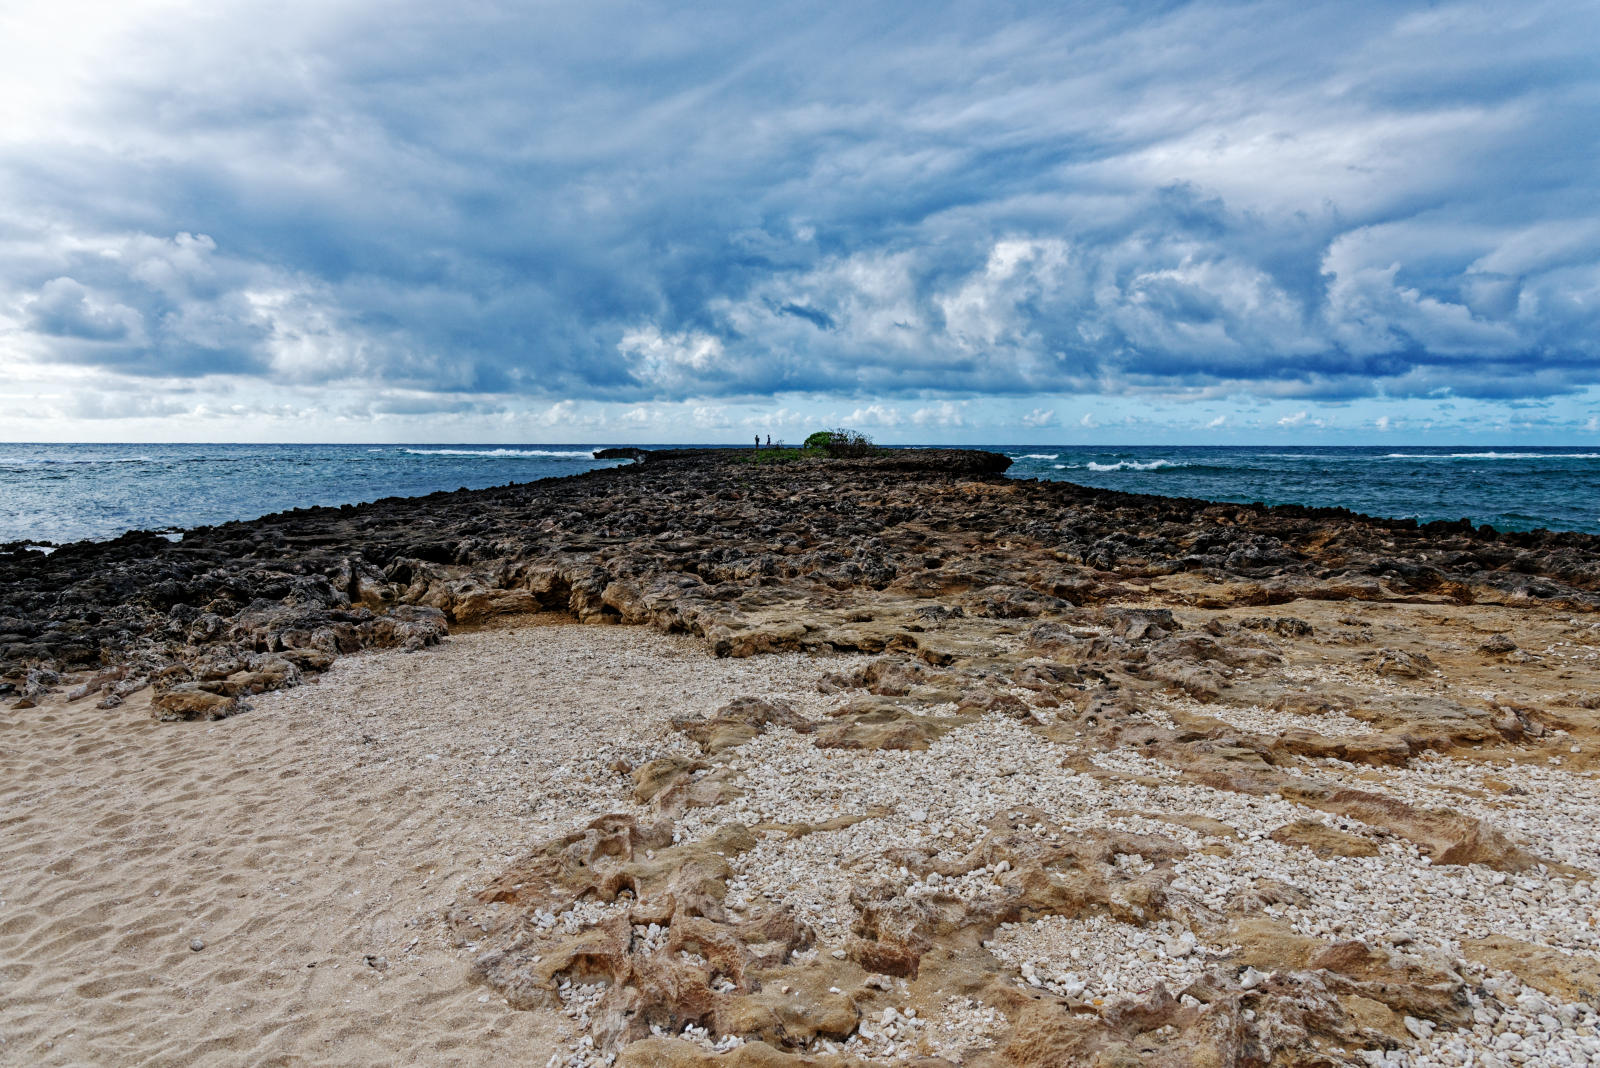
(1568, 976)
(756, 558)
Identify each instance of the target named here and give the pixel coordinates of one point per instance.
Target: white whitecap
(1039, 456)
(1134, 465)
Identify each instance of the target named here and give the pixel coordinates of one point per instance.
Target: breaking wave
(1134, 465)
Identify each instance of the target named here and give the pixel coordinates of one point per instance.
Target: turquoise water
(61, 493)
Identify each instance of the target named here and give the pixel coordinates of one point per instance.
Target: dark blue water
(62, 493)
(1508, 488)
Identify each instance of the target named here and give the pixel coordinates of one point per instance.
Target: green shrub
(841, 442)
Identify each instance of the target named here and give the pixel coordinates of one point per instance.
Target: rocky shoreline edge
(275, 597)
(1178, 689)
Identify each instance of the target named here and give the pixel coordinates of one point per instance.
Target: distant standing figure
(769, 441)
(758, 441)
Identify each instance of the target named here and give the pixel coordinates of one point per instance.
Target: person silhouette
(769, 441)
(758, 441)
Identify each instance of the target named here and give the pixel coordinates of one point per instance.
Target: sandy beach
(315, 847)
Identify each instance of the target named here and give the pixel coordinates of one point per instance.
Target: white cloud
(51, 54)
(1297, 419)
(767, 420)
(944, 415)
(1040, 418)
(564, 414)
(710, 417)
(874, 415)
(991, 306)
(670, 359)
(100, 404)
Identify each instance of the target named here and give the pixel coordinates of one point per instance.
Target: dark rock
(752, 558)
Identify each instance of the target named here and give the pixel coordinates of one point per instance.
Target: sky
(1318, 223)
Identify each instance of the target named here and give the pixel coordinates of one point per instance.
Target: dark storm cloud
(615, 201)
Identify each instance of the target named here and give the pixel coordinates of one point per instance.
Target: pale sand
(331, 823)
(344, 820)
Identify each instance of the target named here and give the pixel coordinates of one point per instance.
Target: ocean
(61, 493)
(1508, 488)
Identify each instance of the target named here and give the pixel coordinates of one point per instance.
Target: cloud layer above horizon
(427, 211)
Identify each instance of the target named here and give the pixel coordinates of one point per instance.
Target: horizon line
(603, 443)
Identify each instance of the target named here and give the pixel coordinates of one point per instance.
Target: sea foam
(1134, 465)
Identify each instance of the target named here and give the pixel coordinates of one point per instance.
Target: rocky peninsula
(982, 772)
